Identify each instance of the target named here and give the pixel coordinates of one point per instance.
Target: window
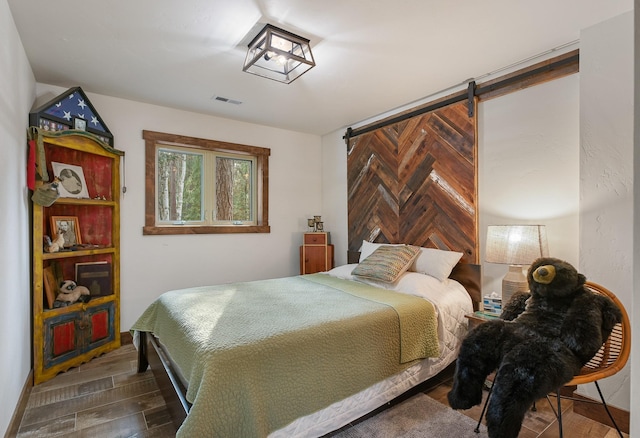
(198, 186)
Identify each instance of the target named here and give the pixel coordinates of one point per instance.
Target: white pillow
(410, 283)
(436, 262)
(343, 272)
(431, 261)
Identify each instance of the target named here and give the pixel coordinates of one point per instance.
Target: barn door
(415, 182)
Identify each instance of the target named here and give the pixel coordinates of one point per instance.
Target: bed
(337, 347)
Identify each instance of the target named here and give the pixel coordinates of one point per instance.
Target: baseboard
(126, 338)
(14, 424)
(596, 412)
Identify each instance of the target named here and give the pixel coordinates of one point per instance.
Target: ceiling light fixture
(279, 55)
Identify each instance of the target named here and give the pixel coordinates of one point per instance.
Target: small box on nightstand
(492, 304)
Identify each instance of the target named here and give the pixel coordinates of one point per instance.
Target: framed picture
(95, 276)
(72, 182)
(79, 124)
(69, 227)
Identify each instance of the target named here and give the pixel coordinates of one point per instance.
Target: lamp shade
(516, 244)
(279, 55)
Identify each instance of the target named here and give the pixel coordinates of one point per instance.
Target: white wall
(17, 89)
(606, 170)
(154, 264)
(334, 192)
(528, 168)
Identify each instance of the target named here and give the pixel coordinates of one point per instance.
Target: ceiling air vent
(227, 100)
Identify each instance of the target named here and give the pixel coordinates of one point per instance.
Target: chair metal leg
(552, 407)
(559, 411)
(606, 408)
(484, 409)
(604, 403)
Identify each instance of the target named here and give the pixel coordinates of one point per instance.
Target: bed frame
(151, 353)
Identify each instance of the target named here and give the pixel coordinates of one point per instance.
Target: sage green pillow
(387, 263)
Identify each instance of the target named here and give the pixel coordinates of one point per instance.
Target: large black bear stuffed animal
(540, 342)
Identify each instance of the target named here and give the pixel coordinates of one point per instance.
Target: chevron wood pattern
(415, 182)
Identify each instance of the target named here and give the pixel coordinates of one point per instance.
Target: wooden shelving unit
(65, 337)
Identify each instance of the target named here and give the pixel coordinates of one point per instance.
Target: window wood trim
(152, 138)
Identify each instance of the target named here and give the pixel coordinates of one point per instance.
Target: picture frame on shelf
(79, 123)
(69, 226)
(72, 182)
(95, 276)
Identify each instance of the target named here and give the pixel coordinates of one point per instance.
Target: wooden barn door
(415, 182)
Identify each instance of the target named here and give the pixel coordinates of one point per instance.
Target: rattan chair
(610, 359)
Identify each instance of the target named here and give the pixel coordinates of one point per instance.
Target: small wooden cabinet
(316, 253)
(67, 336)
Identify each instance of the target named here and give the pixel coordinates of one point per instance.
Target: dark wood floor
(107, 398)
(103, 398)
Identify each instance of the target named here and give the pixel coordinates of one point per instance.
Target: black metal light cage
(283, 64)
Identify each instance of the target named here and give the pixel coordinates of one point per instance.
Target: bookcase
(68, 334)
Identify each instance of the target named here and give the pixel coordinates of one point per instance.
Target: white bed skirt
(350, 409)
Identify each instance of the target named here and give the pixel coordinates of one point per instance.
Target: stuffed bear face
(550, 277)
(67, 286)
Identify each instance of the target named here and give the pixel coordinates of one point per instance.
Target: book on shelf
(50, 285)
(95, 276)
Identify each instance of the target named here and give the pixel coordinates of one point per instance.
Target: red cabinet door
(61, 341)
(71, 334)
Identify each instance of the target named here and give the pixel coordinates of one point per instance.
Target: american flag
(74, 105)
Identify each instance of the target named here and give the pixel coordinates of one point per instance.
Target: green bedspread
(260, 354)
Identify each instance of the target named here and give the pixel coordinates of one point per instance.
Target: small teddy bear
(70, 292)
(541, 341)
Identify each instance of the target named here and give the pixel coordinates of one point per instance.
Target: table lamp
(516, 246)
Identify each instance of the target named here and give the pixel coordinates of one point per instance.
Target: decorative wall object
(415, 182)
(72, 183)
(71, 110)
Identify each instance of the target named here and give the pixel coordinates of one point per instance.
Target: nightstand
(478, 317)
(316, 253)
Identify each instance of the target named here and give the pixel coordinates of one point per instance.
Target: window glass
(234, 189)
(180, 183)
